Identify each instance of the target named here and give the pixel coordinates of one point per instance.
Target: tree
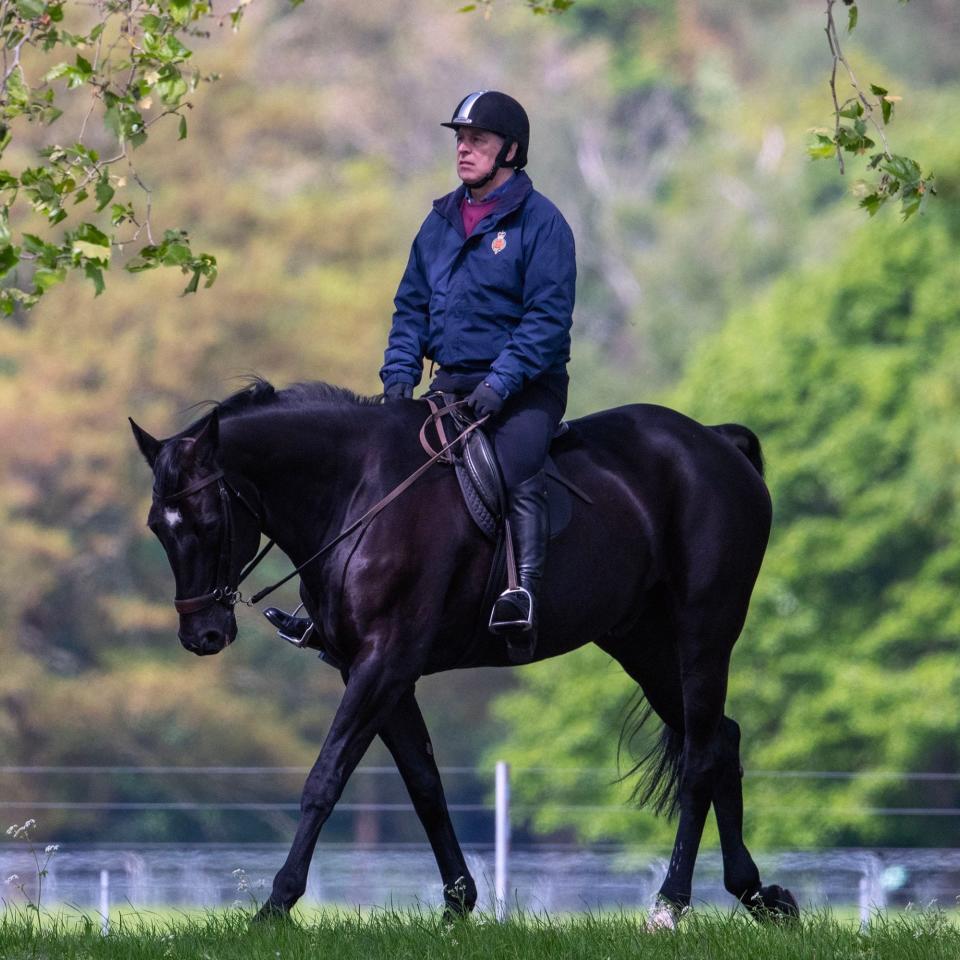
(848, 661)
(127, 70)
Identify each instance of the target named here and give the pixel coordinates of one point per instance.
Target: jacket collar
(515, 192)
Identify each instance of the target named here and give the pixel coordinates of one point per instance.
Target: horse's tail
(658, 766)
(745, 440)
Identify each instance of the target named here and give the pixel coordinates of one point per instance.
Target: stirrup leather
(516, 599)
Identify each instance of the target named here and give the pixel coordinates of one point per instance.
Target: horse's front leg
(373, 689)
(407, 739)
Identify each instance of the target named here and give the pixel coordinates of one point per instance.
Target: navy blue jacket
(500, 299)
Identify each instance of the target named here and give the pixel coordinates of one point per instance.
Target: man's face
(476, 151)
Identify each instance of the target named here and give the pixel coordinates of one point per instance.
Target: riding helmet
(500, 114)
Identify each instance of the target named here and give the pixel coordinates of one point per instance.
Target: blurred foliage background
(720, 271)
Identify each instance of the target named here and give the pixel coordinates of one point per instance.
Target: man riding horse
(488, 295)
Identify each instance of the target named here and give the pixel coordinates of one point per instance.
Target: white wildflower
(13, 878)
(51, 848)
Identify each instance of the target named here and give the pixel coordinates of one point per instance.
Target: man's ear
(149, 446)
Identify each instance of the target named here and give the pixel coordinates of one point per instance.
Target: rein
(436, 413)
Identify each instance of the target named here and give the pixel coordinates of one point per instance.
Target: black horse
(658, 573)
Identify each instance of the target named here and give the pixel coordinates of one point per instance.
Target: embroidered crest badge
(500, 242)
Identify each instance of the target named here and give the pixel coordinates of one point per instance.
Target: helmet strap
(499, 161)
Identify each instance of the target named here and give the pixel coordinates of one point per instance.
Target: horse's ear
(207, 441)
(149, 446)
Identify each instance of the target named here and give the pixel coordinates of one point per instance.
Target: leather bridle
(223, 592)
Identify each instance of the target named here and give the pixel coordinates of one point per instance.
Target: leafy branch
(859, 117)
(130, 59)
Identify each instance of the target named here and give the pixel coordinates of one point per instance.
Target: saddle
(480, 480)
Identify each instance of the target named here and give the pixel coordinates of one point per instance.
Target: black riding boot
(514, 615)
(293, 629)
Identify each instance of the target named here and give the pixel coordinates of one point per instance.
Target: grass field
(391, 935)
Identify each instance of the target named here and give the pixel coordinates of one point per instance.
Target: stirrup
(517, 597)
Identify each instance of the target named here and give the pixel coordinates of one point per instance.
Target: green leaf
(46, 277)
(55, 73)
(823, 149)
(886, 108)
(9, 258)
(104, 192)
(183, 129)
(903, 168)
(852, 112)
(171, 86)
(872, 203)
(30, 9)
(469, 8)
(122, 213)
(95, 274)
(878, 90)
(88, 233)
(91, 251)
(852, 18)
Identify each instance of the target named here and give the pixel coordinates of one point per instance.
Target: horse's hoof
(459, 899)
(773, 903)
(665, 915)
(271, 913)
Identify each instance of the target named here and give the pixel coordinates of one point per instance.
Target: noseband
(222, 592)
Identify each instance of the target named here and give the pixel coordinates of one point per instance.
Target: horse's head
(207, 527)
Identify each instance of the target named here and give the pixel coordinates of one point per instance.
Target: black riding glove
(398, 391)
(485, 401)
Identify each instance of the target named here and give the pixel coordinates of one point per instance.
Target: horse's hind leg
(704, 659)
(740, 874)
(407, 739)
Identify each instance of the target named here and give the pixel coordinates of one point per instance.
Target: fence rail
(483, 774)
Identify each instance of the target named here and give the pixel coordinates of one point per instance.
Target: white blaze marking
(173, 517)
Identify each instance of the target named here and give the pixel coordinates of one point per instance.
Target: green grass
(397, 935)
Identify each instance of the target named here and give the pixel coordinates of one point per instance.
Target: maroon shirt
(473, 213)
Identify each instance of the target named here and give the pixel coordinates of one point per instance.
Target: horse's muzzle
(205, 639)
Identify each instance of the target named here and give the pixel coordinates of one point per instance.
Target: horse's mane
(260, 394)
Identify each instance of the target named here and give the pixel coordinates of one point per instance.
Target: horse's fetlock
(460, 897)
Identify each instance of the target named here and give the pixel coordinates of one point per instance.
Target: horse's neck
(303, 467)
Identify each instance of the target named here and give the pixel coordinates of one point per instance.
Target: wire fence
(482, 776)
(553, 876)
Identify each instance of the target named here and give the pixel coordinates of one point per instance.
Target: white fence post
(105, 901)
(502, 840)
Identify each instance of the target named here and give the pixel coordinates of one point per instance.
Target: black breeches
(522, 431)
